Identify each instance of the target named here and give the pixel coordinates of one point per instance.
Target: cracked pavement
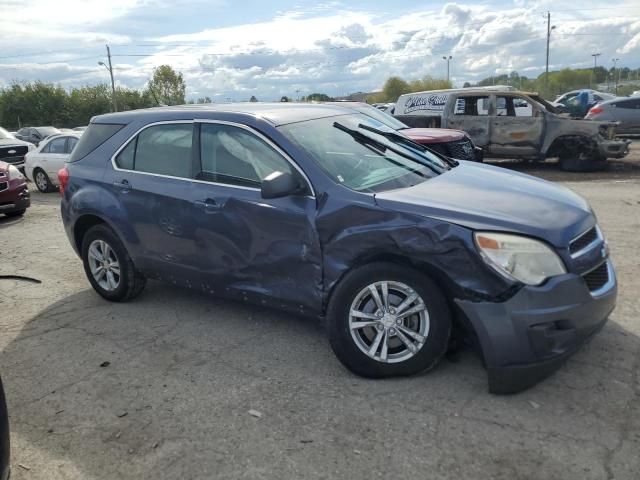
(185, 369)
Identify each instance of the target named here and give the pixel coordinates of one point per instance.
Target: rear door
(627, 112)
(152, 182)
(470, 113)
(517, 126)
(53, 156)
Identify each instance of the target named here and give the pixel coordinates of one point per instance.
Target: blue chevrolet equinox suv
(324, 211)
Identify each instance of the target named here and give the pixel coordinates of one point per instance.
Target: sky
(231, 50)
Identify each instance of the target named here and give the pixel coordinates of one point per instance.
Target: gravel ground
(162, 387)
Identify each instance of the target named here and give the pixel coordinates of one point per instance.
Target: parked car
(35, 134)
(43, 163)
(510, 124)
(80, 129)
(12, 150)
(451, 143)
(323, 211)
(14, 194)
(625, 110)
(562, 102)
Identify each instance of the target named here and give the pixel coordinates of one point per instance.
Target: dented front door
(517, 127)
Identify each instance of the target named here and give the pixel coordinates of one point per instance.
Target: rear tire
(17, 213)
(392, 355)
(102, 251)
(42, 181)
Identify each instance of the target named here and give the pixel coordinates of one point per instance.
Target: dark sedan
(327, 212)
(35, 134)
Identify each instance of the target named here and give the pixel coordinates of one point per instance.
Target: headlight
(524, 259)
(14, 172)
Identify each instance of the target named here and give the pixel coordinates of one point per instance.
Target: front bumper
(15, 199)
(614, 148)
(527, 337)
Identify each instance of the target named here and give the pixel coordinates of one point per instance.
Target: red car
(445, 141)
(14, 194)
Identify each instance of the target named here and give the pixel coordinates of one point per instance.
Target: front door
(470, 113)
(517, 127)
(259, 249)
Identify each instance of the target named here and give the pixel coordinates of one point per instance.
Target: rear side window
(71, 143)
(160, 149)
(635, 103)
(57, 145)
(94, 136)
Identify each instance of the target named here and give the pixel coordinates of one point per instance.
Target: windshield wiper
(396, 136)
(367, 141)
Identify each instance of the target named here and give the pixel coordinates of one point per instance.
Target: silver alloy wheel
(41, 181)
(104, 265)
(389, 321)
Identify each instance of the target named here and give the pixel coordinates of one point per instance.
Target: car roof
(276, 113)
(619, 100)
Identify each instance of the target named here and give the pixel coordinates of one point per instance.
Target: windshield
(5, 134)
(545, 104)
(361, 159)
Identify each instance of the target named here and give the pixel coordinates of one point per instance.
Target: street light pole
(615, 63)
(113, 84)
(448, 59)
(546, 70)
(595, 64)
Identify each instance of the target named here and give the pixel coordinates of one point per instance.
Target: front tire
(109, 267)
(388, 320)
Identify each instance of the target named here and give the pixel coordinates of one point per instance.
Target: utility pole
(447, 59)
(297, 95)
(546, 70)
(615, 63)
(113, 85)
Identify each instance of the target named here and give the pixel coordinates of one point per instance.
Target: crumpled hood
(483, 197)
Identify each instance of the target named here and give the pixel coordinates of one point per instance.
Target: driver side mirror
(279, 184)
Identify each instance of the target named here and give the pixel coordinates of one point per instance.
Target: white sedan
(42, 164)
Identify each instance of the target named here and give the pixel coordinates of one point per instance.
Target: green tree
(317, 97)
(205, 99)
(253, 98)
(284, 99)
(166, 86)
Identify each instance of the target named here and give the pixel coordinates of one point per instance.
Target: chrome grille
(462, 150)
(4, 186)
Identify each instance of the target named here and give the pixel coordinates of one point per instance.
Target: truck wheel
(583, 163)
(388, 320)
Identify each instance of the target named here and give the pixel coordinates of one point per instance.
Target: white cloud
(330, 48)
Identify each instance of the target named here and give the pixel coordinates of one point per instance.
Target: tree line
(40, 103)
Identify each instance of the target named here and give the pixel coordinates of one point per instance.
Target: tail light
(595, 109)
(63, 178)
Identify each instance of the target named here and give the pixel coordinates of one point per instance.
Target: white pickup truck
(512, 124)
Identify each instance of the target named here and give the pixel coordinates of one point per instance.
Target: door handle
(208, 204)
(123, 184)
